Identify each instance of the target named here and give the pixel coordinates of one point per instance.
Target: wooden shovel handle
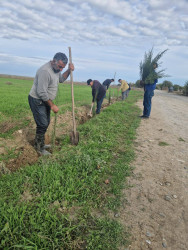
(72, 92)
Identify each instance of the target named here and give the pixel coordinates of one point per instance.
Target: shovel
(74, 135)
(90, 112)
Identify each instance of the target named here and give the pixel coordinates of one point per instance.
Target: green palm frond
(158, 56)
(147, 72)
(161, 73)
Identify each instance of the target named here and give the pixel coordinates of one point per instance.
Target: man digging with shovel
(98, 93)
(42, 94)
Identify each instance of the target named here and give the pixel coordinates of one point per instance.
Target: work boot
(47, 146)
(44, 152)
(39, 145)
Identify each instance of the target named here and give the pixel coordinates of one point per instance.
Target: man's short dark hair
(112, 80)
(119, 80)
(61, 56)
(155, 64)
(88, 81)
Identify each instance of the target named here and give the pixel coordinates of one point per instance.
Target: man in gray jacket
(42, 94)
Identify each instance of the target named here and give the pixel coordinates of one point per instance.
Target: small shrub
(181, 139)
(163, 143)
(185, 89)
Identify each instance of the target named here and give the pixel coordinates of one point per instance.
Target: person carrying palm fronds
(149, 78)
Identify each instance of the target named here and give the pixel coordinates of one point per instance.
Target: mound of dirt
(6, 126)
(21, 146)
(27, 156)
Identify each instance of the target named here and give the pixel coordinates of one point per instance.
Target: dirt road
(156, 207)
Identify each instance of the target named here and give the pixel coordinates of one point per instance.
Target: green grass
(163, 143)
(14, 102)
(14, 97)
(63, 202)
(11, 154)
(181, 139)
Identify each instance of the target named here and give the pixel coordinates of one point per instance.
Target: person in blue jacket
(148, 94)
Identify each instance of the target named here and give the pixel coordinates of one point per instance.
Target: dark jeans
(99, 104)
(148, 94)
(106, 90)
(41, 114)
(125, 94)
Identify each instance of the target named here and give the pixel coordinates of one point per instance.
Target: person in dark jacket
(148, 94)
(107, 83)
(98, 93)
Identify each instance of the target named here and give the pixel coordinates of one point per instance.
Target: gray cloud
(115, 25)
(44, 19)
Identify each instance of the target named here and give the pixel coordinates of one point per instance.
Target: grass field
(14, 101)
(65, 201)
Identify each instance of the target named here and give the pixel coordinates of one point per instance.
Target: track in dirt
(156, 204)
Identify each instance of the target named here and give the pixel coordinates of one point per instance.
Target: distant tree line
(166, 85)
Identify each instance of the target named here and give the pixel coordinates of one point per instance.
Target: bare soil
(156, 204)
(19, 151)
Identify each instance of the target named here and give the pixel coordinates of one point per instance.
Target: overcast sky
(106, 36)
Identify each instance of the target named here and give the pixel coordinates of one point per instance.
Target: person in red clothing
(98, 93)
